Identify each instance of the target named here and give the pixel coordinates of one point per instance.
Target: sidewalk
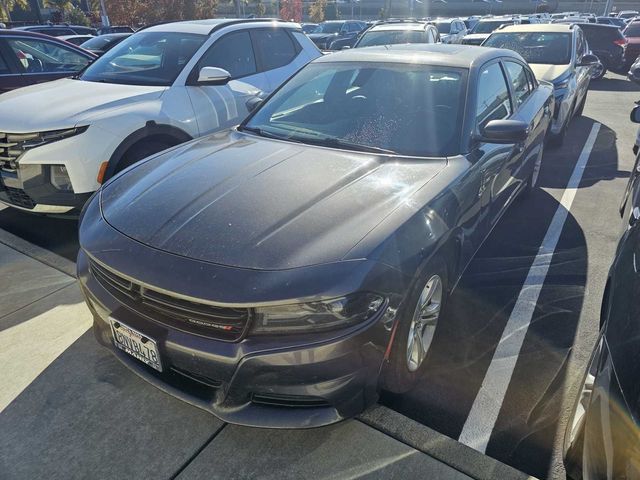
(68, 409)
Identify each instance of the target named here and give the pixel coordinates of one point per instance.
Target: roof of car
(538, 27)
(399, 26)
(205, 27)
(53, 25)
(461, 56)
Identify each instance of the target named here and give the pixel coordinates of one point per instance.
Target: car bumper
(561, 113)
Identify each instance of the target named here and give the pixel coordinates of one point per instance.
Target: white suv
(160, 87)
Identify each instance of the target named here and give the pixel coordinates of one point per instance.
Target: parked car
(27, 58)
(103, 43)
(559, 54)
(308, 27)
(634, 76)
(470, 21)
(115, 29)
(485, 27)
(332, 30)
(451, 30)
(608, 44)
(160, 87)
(398, 32)
(76, 39)
(601, 440)
(58, 30)
(626, 14)
(632, 34)
(350, 201)
(349, 42)
(618, 22)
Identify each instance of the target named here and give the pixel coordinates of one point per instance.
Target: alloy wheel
(424, 322)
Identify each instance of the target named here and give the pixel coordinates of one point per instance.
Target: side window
(275, 47)
(493, 95)
(453, 28)
(42, 56)
(532, 80)
(233, 52)
(519, 82)
(4, 67)
(431, 36)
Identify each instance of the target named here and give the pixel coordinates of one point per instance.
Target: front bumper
(29, 188)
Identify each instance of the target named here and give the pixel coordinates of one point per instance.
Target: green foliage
(316, 10)
(6, 6)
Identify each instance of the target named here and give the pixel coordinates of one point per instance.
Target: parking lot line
(482, 417)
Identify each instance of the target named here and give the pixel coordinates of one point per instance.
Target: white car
(162, 86)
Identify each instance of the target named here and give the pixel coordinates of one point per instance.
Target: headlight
(32, 140)
(317, 316)
(60, 178)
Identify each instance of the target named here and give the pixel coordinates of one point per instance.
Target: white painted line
(486, 407)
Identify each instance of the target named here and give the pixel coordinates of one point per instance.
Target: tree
(316, 10)
(331, 12)
(6, 6)
(291, 10)
(260, 7)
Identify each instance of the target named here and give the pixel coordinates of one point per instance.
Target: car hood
(65, 103)
(547, 72)
(241, 200)
(477, 36)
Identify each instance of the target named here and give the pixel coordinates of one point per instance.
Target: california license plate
(136, 344)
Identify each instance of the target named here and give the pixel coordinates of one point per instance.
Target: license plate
(136, 344)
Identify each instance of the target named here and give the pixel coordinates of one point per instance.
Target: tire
(558, 139)
(403, 370)
(532, 181)
(141, 150)
(601, 73)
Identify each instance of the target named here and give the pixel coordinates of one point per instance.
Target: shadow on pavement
(609, 84)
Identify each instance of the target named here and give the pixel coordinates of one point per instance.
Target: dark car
(632, 34)
(103, 43)
(618, 22)
(328, 32)
(59, 30)
(280, 273)
(115, 29)
(393, 33)
(608, 44)
(27, 58)
(602, 439)
(308, 27)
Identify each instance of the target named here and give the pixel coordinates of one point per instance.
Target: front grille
(17, 197)
(11, 147)
(223, 323)
(289, 401)
(472, 42)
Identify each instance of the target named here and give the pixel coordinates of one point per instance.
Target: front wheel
(415, 331)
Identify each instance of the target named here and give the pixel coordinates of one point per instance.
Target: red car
(632, 33)
(27, 58)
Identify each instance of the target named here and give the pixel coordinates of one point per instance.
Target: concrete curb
(445, 449)
(38, 253)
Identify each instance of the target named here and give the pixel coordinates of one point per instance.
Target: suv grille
(11, 147)
(223, 323)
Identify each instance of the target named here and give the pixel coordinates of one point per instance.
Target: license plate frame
(135, 343)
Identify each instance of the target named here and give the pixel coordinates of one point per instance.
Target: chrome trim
(39, 208)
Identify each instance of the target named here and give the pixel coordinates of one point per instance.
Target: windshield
(100, 42)
(632, 30)
(488, 27)
(536, 47)
(391, 37)
(412, 110)
(443, 27)
(333, 27)
(145, 58)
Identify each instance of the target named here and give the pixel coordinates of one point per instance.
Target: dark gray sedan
(281, 273)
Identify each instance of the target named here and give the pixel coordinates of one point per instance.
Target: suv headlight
(33, 140)
(317, 316)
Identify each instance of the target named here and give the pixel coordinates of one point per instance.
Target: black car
(59, 30)
(608, 44)
(329, 32)
(602, 439)
(281, 273)
(103, 43)
(618, 22)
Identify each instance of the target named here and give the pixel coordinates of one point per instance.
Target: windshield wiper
(264, 133)
(347, 145)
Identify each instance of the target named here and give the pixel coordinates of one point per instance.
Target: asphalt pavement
(501, 377)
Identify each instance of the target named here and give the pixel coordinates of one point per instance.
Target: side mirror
(635, 114)
(505, 131)
(588, 60)
(253, 103)
(213, 76)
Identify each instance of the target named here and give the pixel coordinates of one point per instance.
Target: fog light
(60, 178)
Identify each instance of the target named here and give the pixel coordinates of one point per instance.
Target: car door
(583, 74)
(10, 75)
(493, 102)
(41, 60)
(278, 55)
(222, 106)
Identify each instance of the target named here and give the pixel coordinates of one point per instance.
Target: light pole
(103, 15)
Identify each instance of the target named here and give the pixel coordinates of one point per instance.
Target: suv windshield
(391, 37)
(412, 110)
(333, 27)
(488, 27)
(535, 47)
(146, 58)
